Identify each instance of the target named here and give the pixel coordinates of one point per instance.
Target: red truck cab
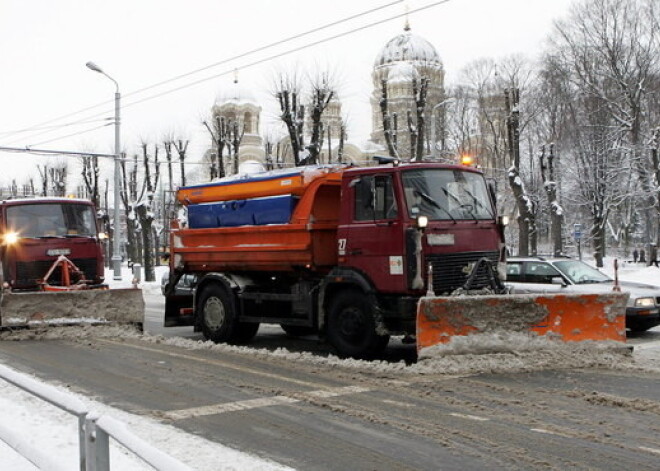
(379, 231)
(36, 231)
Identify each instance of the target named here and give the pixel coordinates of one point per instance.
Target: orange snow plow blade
(566, 317)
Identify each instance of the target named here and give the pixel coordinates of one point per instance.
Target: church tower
(405, 58)
(237, 104)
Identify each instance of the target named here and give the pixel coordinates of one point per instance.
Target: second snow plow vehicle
(52, 265)
(349, 253)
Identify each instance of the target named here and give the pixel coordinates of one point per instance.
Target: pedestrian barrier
(94, 432)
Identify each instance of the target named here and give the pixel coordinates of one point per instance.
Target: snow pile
(55, 432)
(71, 332)
(495, 353)
(517, 352)
(505, 341)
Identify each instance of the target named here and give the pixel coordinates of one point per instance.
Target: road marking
(549, 432)
(336, 391)
(258, 403)
(650, 450)
(228, 407)
(398, 403)
(469, 417)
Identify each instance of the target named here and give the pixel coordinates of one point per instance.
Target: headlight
(422, 221)
(11, 238)
(103, 235)
(644, 302)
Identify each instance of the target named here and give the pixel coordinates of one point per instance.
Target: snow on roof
(236, 93)
(402, 72)
(407, 47)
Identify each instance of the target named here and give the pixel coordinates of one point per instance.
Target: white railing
(94, 432)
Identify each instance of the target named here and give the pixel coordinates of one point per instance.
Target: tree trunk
(526, 218)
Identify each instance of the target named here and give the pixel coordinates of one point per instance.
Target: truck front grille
(450, 271)
(27, 273)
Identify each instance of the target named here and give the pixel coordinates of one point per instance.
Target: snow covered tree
(610, 53)
(90, 174)
(526, 206)
(144, 208)
(322, 92)
(549, 176)
(288, 92)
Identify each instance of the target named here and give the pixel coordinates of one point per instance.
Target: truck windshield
(446, 194)
(52, 220)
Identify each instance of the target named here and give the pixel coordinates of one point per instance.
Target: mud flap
(566, 317)
(178, 311)
(111, 305)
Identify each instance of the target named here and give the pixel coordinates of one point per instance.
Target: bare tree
(129, 196)
(90, 174)
(610, 52)
(416, 128)
(235, 137)
(181, 146)
(526, 206)
(389, 122)
(220, 135)
(322, 92)
(549, 175)
(145, 210)
(288, 92)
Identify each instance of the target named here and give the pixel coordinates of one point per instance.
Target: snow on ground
(56, 433)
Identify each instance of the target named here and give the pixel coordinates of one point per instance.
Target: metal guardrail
(94, 432)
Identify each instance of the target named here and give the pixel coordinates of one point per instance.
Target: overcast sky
(45, 44)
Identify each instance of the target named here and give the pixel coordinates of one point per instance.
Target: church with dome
(402, 63)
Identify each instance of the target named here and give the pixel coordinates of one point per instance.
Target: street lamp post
(116, 234)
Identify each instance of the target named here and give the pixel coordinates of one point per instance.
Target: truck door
(373, 240)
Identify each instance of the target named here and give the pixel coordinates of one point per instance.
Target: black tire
(638, 327)
(298, 330)
(217, 313)
(351, 327)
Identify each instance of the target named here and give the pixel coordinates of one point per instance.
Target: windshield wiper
(461, 204)
(433, 202)
(479, 203)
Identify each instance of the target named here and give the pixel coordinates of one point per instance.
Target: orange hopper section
(566, 317)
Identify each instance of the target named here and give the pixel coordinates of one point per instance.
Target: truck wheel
(352, 328)
(218, 318)
(298, 330)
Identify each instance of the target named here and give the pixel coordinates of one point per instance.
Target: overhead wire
(290, 51)
(254, 63)
(210, 66)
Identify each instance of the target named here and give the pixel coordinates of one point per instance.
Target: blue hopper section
(256, 211)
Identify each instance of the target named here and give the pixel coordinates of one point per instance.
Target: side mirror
(558, 280)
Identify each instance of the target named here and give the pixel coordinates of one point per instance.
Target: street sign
(577, 231)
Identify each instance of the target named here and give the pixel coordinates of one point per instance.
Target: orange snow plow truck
(52, 266)
(359, 254)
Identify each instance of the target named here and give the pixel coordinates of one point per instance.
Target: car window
(540, 272)
(580, 272)
(514, 271)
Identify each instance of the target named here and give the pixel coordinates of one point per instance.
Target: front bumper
(642, 317)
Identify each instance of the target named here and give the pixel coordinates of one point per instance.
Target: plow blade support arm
(566, 317)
